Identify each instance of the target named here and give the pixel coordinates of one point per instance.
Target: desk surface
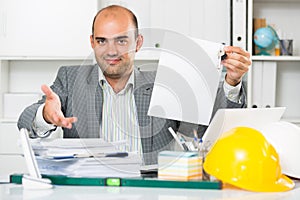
(13, 191)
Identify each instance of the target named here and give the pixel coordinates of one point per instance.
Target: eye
(101, 41)
(122, 42)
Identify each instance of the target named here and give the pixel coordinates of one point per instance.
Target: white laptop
(226, 119)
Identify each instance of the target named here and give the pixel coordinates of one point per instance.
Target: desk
(13, 191)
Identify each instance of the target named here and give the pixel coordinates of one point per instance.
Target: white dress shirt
(119, 115)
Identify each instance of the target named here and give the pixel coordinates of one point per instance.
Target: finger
(235, 65)
(57, 117)
(66, 122)
(237, 50)
(47, 91)
(70, 121)
(237, 59)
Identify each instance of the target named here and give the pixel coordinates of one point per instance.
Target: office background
(37, 37)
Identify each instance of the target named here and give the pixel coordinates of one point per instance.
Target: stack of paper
(174, 165)
(85, 158)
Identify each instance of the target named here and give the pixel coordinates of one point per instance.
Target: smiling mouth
(113, 61)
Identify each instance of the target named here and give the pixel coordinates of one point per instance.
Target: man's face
(114, 44)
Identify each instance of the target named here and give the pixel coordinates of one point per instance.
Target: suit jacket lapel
(94, 102)
(87, 109)
(142, 94)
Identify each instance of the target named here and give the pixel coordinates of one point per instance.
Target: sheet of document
(49, 150)
(60, 147)
(187, 79)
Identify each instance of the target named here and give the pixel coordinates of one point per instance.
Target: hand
(52, 110)
(237, 64)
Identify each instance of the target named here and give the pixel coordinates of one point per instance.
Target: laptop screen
(226, 119)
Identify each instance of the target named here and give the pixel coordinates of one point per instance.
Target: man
(114, 101)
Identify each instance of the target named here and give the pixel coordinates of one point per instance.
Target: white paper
(187, 79)
(85, 167)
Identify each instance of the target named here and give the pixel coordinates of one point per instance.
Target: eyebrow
(118, 38)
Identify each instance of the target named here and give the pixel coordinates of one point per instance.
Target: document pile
(85, 158)
(182, 166)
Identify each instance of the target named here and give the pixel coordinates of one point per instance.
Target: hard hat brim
(281, 185)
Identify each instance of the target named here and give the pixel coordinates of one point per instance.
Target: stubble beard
(115, 71)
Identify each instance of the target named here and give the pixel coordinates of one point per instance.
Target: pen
(200, 146)
(196, 139)
(182, 141)
(97, 155)
(62, 157)
(117, 154)
(175, 137)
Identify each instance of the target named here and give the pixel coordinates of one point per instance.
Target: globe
(265, 38)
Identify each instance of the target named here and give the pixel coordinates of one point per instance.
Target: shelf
(276, 58)
(5, 120)
(41, 58)
(142, 55)
(276, 1)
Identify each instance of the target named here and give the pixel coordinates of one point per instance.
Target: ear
(92, 41)
(139, 42)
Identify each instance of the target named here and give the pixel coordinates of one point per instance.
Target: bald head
(115, 10)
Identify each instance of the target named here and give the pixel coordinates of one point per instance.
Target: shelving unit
(276, 58)
(36, 37)
(23, 77)
(275, 80)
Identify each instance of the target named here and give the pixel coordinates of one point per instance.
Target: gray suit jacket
(81, 96)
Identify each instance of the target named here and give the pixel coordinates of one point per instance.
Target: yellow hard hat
(244, 158)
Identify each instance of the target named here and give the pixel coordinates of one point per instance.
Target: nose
(112, 49)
